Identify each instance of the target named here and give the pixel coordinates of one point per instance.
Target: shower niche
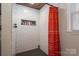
(28, 22)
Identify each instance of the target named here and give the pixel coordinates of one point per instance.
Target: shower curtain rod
(49, 4)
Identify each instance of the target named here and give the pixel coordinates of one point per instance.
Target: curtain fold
(53, 32)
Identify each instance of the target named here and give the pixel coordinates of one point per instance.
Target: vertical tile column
(53, 32)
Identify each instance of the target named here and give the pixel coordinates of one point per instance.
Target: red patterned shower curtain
(53, 32)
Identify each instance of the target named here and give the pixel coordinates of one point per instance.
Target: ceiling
(35, 5)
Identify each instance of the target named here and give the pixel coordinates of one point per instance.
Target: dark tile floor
(34, 52)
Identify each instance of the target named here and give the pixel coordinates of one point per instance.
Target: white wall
(6, 40)
(26, 37)
(44, 28)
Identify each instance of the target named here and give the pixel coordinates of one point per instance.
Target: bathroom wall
(26, 36)
(6, 38)
(44, 28)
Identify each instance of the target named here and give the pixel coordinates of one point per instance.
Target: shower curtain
(53, 32)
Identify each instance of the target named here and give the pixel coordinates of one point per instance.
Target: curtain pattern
(53, 33)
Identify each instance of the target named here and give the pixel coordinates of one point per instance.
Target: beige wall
(6, 40)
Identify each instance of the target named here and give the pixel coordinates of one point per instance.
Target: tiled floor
(34, 52)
